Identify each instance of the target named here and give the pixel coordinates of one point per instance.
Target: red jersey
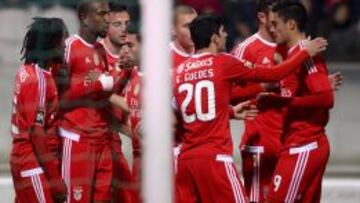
(304, 125)
(88, 118)
(178, 56)
(133, 97)
(113, 65)
(34, 103)
(202, 87)
(258, 51)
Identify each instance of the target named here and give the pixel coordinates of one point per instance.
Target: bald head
(182, 10)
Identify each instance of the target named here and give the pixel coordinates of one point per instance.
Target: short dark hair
(85, 6)
(43, 40)
(117, 7)
(265, 6)
(132, 29)
(203, 28)
(289, 10)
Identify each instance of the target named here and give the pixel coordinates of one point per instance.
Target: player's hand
(59, 190)
(336, 80)
(245, 111)
(316, 46)
(92, 76)
(270, 86)
(267, 100)
(139, 129)
(62, 77)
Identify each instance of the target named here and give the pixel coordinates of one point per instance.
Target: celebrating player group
(73, 95)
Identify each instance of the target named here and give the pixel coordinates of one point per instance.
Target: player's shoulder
(245, 45)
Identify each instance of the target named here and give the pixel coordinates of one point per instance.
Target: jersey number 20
(195, 92)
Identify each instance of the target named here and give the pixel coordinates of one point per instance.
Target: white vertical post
(157, 182)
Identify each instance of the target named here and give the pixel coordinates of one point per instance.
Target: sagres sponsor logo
(77, 192)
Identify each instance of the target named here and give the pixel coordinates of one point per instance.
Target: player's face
(119, 22)
(221, 39)
(98, 19)
(182, 31)
(279, 28)
(134, 46)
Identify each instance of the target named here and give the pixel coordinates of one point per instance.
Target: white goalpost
(157, 176)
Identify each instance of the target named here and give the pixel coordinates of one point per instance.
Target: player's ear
(261, 17)
(214, 38)
(291, 24)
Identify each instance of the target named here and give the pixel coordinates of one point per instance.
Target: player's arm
(119, 101)
(238, 71)
(317, 82)
(240, 93)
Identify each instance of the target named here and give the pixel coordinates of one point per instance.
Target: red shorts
(257, 171)
(299, 172)
(31, 186)
(259, 152)
(86, 169)
(122, 179)
(208, 180)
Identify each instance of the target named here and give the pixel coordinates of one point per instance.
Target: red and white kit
(178, 57)
(84, 126)
(34, 131)
(121, 172)
(133, 98)
(260, 143)
(303, 158)
(202, 87)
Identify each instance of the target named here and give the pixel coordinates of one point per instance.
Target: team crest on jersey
(278, 58)
(40, 117)
(96, 59)
(248, 64)
(87, 60)
(266, 61)
(77, 193)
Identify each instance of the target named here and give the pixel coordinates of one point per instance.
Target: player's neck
(113, 49)
(210, 49)
(264, 34)
(189, 50)
(295, 39)
(86, 35)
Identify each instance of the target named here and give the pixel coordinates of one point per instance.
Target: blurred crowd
(337, 20)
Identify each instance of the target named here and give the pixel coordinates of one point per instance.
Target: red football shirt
(178, 55)
(133, 98)
(34, 103)
(258, 51)
(87, 117)
(303, 125)
(202, 87)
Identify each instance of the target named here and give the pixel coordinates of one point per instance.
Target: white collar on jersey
(201, 55)
(107, 49)
(300, 43)
(83, 41)
(272, 44)
(178, 51)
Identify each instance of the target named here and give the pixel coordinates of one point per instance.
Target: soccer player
(87, 162)
(182, 46)
(202, 85)
(34, 159)
(260, 143)
(133, 102)
(119, 19)
(308, 97)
